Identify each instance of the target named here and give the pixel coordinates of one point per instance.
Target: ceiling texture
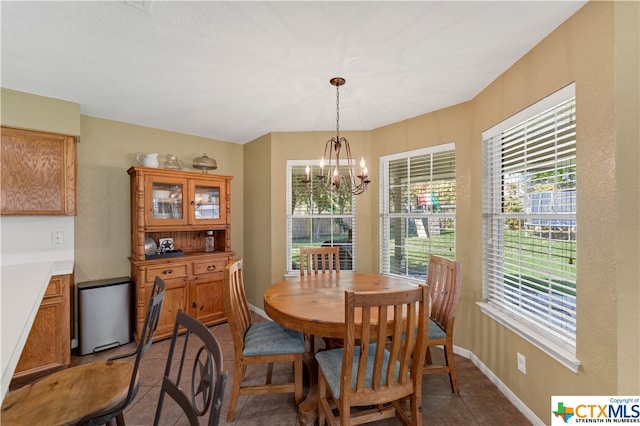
(236, 70)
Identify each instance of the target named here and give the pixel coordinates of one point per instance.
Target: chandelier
(334, 181)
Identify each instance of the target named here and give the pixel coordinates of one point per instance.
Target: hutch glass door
(207, 197)
(165, 201)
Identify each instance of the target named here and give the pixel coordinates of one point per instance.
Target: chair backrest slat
(319, 259)
(443, 280)
(235, 303)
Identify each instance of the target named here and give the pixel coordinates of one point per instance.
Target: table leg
(307, 410)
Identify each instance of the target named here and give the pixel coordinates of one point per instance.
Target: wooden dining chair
(262, 342)
(443, 281)
(375, 368)
(319, 259)
(88, 394)
(199, 394)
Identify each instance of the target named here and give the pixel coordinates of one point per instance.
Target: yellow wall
(257, 218)
(107, 150)
(34, 112)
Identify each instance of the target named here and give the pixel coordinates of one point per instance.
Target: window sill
(543, 343)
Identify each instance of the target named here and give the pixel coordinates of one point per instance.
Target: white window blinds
(529, 222)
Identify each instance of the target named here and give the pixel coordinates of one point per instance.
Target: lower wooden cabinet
(193, 283)
(48, 346)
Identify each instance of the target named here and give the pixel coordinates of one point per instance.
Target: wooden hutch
(181, 206)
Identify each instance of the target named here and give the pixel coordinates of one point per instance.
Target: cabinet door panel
(208, 200)
(48, 344)
(175, 298)
(208, 301)
(164, 200)
(37, 173)
(42, 350)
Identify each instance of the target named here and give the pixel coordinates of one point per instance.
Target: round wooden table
(314, 304)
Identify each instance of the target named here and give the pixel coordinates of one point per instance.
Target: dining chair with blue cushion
(443, 280)
(375, 367)
(260, 342)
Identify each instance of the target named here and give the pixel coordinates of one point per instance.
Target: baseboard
(482, 367)
(259, 311)
(530, 415)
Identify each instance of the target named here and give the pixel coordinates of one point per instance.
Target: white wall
(26, 239)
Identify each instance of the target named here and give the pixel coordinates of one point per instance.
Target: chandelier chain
(338, 111)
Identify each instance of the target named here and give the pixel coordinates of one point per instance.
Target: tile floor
(479, 402)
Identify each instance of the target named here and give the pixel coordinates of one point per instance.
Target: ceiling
(236, 70)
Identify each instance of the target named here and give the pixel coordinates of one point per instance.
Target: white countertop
(22, 287)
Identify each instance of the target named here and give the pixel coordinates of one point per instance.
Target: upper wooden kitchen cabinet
(182, 206)
(37, 173)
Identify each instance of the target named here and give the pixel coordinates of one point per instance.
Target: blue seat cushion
(331, 364)
(435, 331)
(270, 338)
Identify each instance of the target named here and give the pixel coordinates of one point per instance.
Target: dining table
(314, 305)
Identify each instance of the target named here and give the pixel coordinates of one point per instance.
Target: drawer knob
(167, 271)
(194, 305)
(211, 268)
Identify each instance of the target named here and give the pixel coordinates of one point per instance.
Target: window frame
(386, 216)
(537, 334)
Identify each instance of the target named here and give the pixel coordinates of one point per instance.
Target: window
(315, 218)
(417, 209)
(529, 224)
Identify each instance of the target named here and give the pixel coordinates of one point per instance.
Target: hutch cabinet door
(164, 201)
(208, 199)
(176, 295)
(208, 300)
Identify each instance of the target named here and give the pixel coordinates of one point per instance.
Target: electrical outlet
(57, 238)
(522, 363)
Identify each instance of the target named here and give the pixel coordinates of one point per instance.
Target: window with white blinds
(529, 219)
(417, 209)
(318, 218)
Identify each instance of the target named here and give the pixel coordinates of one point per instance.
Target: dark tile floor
(479, 403)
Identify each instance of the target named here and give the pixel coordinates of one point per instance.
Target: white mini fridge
(104, 311)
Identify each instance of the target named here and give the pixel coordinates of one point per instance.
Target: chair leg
(322, 396)
(427, 356)
(269, 373)
(238, 375)
(297, 380)
(451, 363)
(119, 419)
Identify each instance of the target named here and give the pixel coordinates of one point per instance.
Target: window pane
(318, 218)
(418, 210)
(311, 199)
